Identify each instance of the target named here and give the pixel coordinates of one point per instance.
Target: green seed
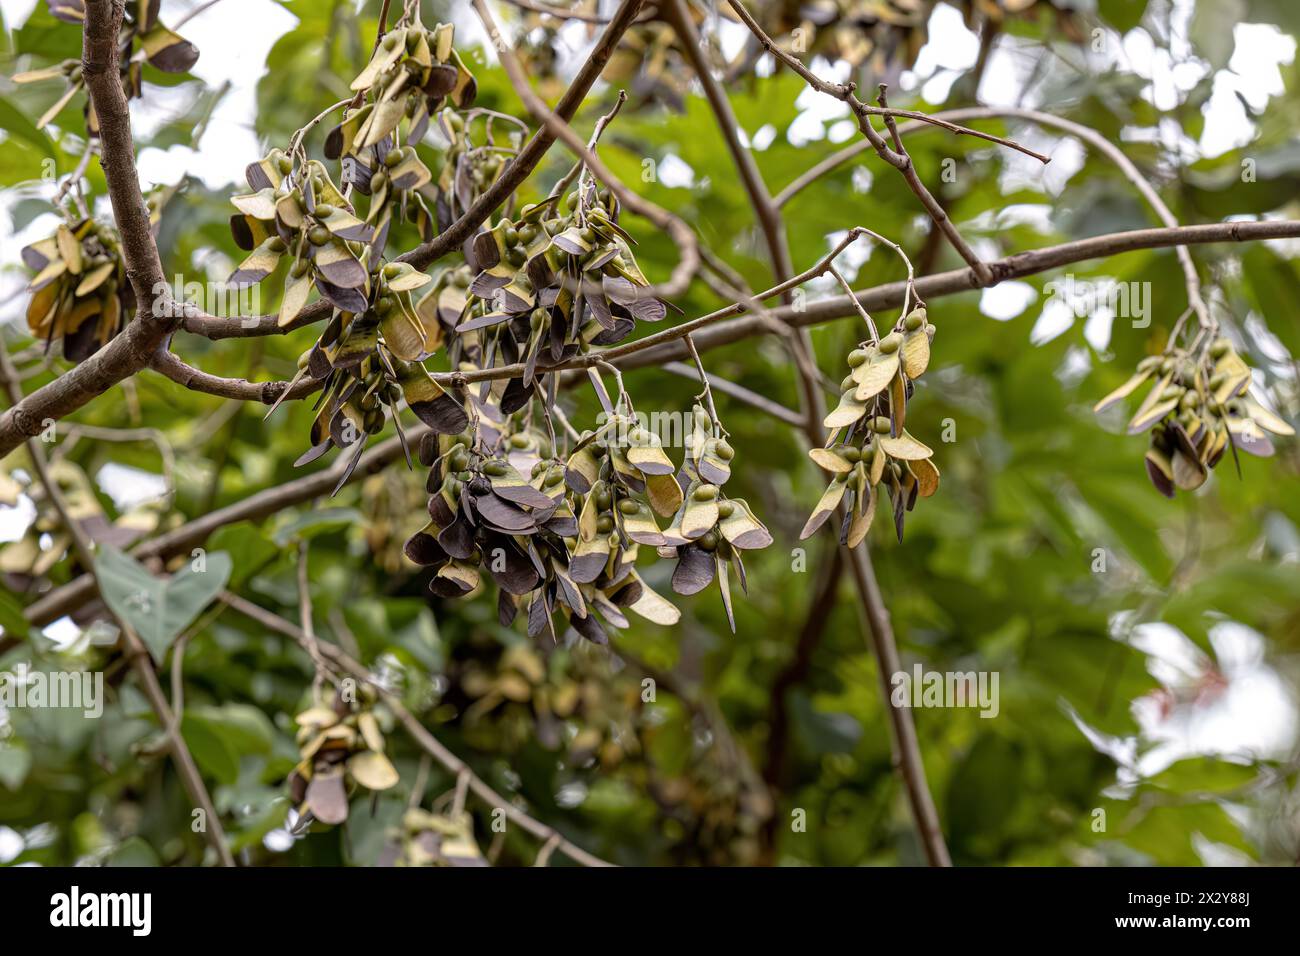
(323, 210)
(705, 492)
(394, 157)
(628, 506)
(726, 508)
(318, 235)
(914, 320)
(707, 541)
(604, 524)
(857, 357)
(890, 343)
(725, 451)
(881, 425)
(392, 270)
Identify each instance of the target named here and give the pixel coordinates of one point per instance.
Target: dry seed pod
(341, 748)
(80, 295)
(564, 699)
(556, 538)
(1199, 403)
(709, 530)
(161, 48)
(868, 444)
(547, 284)
(431, 839)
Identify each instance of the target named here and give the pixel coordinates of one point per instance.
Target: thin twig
(422, 737)
(135, 649)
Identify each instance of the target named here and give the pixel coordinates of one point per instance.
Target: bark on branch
(155, 319)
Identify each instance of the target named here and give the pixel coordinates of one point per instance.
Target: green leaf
(11, 617)
(15, 761)
(311, 523)
(213, 749)
(249, 549)
(15, 123)
(159, 608)
(133, 851)
(243, 726)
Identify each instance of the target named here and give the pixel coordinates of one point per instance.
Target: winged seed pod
(709, 531)
(411, 74)
(432, 839)
(868, 444)
(563, 699)
(412, 71)
(341, 747)
(560, 541)
(297, 211)
(80, 294)
(469, 166)
(546, 286)
(159, 46)
(1199, 403)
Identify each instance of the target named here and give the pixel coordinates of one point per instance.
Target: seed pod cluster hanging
(1199, 405)
(80, 294)
(562, 541)
(560, 278)
(370, 354)
(709, 530)
(341, 749)
(868, 444)
(159, 46)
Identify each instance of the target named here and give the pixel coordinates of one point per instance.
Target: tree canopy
(584, 432)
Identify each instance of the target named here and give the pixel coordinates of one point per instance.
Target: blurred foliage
(998, 572)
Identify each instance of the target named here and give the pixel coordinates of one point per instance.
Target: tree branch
(66, 599)
(890, 295)
(1087, 134)
(133, 646)
(427, 742)
(710, 331)
(133, 349)
(687, 245)
(267, 393)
